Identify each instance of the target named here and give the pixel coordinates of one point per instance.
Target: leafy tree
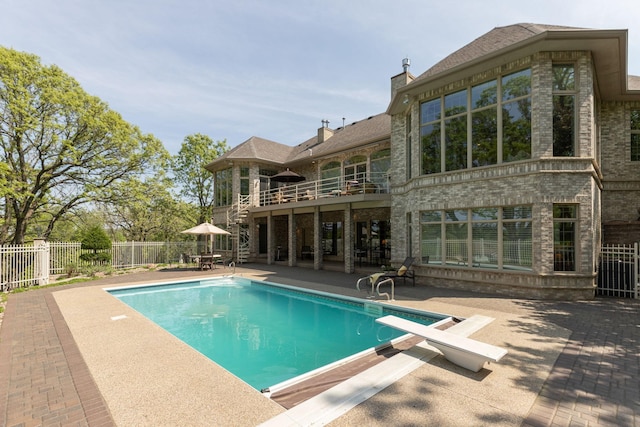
(152, 214)
(73, 226)
(63, 148)
(195, 181)
(96, 239)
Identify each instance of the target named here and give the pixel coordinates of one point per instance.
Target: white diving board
(462, 351)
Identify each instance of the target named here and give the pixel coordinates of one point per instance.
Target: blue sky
(270, 68)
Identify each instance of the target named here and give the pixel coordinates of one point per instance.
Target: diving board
(462, 351)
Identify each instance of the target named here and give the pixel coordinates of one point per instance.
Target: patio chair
(404, 273)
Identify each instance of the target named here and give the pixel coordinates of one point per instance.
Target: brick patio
(595, 381)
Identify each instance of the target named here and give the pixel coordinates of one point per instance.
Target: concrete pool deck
(73, 355)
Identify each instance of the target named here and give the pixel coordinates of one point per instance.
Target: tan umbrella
(206, 229)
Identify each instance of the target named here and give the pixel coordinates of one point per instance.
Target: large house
(502, 168)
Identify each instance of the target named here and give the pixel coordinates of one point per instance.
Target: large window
(455, 131)
(330, 176)
(380, 165)
(499, 114)
(484, 124)
(223, 187)
(355, 168)
(565, 227)
(244, 181)
(564, 100)
(635, 135)
(430, 136)
(516, 116)
(498, 238)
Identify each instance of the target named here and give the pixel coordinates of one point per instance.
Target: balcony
(324, 190)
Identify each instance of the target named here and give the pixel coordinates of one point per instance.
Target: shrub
(71, 269)
(96, 239)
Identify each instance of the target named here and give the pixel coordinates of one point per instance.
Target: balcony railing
(372, 183)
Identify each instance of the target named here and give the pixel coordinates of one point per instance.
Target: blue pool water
(262, 332)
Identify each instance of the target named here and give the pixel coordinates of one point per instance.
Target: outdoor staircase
(237, 223)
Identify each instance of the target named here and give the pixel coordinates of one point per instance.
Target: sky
(233, 69)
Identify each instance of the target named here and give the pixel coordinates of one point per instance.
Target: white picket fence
(33, 264)
(24, 265)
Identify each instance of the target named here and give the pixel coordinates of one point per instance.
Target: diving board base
(465, 352)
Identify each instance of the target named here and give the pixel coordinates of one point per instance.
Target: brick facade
(539, 182)
(598, 178)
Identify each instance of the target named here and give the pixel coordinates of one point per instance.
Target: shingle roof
(256, 148)
(494, 40)
(371, 129)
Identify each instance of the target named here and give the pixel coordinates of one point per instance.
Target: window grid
(565, 228)
(564, 111)
(223, 187)
(497, 238)
(485, 124)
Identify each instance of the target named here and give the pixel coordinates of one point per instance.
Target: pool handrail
(384, 293)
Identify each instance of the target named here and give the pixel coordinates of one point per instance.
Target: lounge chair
(404, 273)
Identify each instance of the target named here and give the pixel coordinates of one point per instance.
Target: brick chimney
(402, 79)
(324, 132)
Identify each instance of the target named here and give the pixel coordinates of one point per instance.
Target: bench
(463, 351)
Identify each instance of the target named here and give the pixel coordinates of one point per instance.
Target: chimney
(403, 78)
(324, 132)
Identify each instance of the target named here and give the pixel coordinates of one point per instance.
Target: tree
(96, 240)
(63, 148)
(195, 181)
(152, 213)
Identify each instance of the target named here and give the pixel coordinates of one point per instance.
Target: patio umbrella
(287, 176)
(206, 229)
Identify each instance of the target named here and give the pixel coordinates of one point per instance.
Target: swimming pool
(262, 332)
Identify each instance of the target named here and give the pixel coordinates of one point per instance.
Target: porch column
(348, 240)
(292, 240)
(271, 240)
(318, 253)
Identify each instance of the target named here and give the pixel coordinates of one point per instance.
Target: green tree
(196, 183)
(63, 148)
(151, 214)
(96, 240)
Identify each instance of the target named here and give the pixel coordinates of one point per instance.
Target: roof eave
(609, 49)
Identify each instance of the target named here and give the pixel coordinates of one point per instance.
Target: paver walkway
(43, 378)
(595, 381)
